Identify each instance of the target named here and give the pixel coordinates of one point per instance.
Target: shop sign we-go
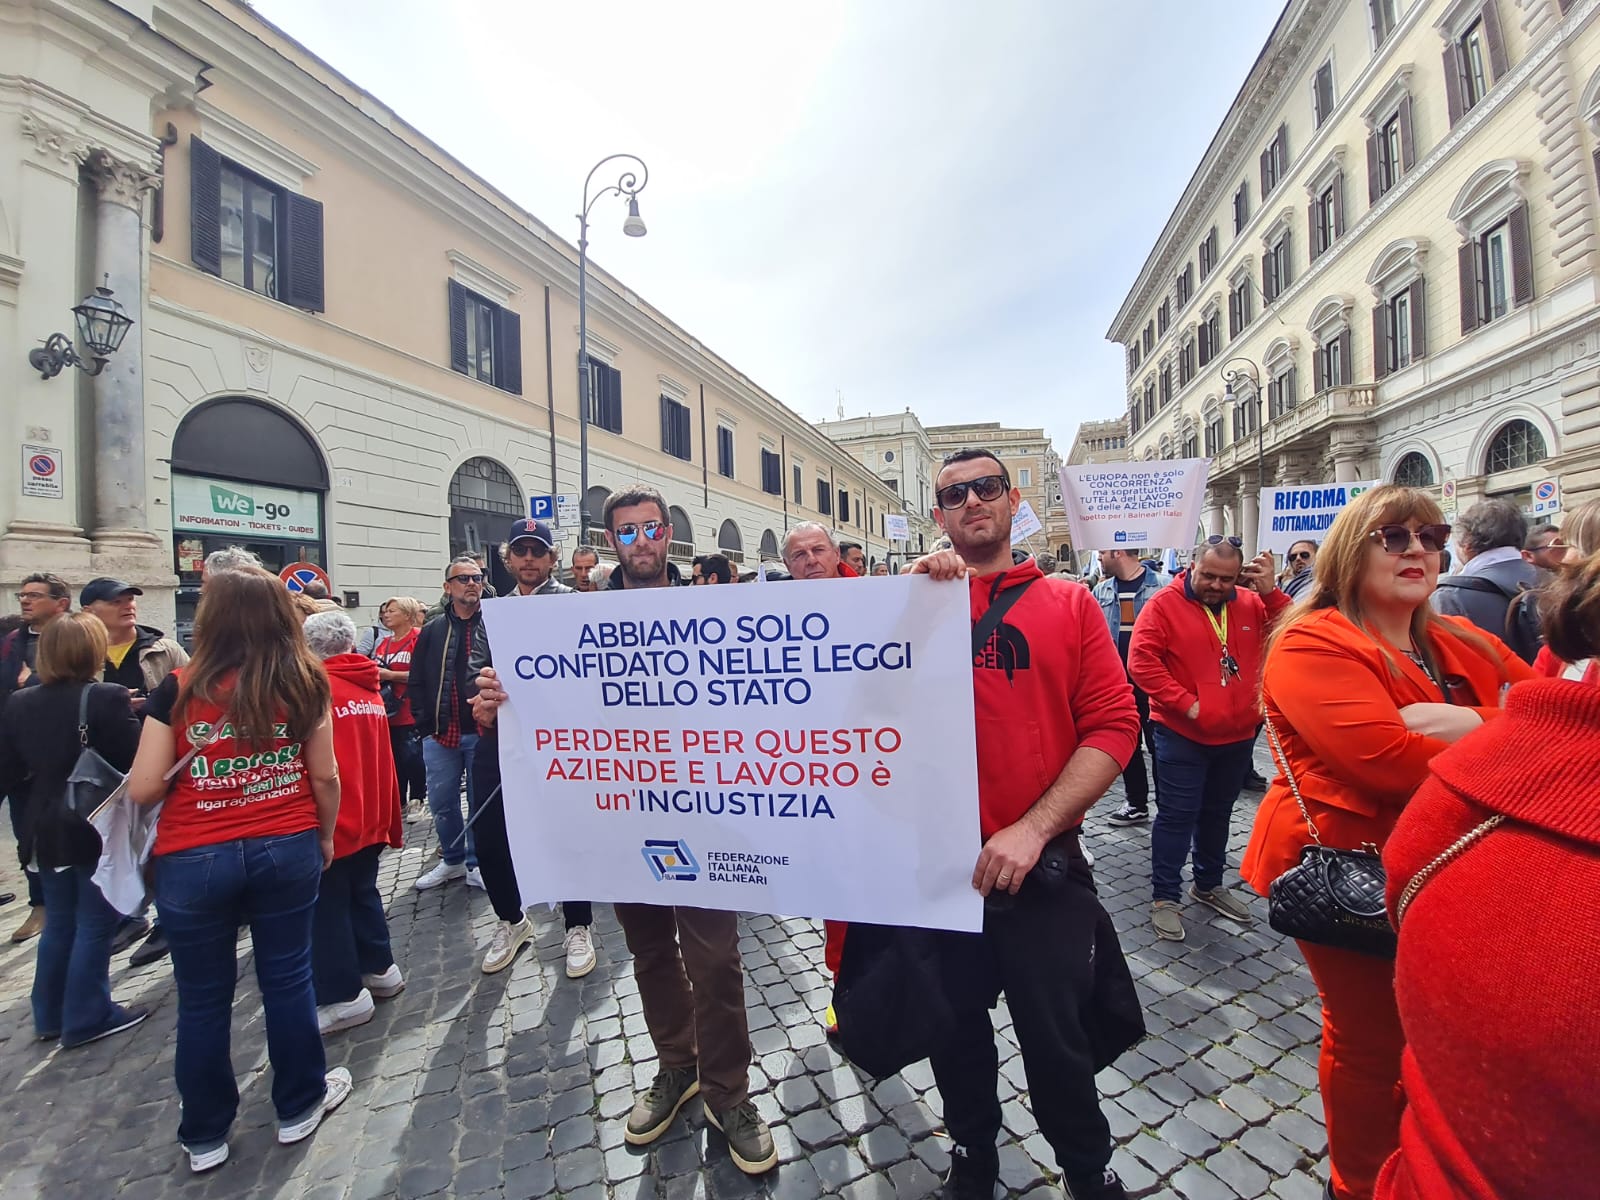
(201, 505)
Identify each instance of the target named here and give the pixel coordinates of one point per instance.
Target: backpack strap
(983, 629)
(83, 716)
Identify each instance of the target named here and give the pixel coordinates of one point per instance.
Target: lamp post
(1248, 370)
(630, 183)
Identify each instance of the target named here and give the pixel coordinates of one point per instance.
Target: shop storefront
(243, 474)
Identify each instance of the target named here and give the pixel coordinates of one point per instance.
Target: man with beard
(685, 960)
(1056, 725)
(529, 553)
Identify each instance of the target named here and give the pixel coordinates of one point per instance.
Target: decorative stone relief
(258, 361)
(54, 141)
(119, 182)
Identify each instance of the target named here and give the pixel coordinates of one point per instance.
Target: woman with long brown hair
(1364, 683)
(245, 833)
(1579, 539)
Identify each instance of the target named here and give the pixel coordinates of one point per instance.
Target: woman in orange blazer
(1364, 683)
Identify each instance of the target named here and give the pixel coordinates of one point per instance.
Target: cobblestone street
(516, 1085)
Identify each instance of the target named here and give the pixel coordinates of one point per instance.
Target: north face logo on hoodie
(1006, 650)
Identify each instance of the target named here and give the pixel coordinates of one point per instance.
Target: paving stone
(837, 1166)
(1196, 1183)
(816, 1129)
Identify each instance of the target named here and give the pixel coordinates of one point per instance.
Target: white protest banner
(787, 750)
(1294, 514)
(1118, 506)
(1025, 524)
(897, 528)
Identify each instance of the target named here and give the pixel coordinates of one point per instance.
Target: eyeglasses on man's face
(465, 579)
(1396, 539)
(529, 549)
(1300, 556)
(1217, 539)
(988, 488)
(30, 597)
(629, 533)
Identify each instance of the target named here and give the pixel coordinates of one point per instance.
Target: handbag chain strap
(1281, 757)
(1449, 854)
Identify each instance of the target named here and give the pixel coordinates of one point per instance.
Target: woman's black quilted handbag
(1331, 897)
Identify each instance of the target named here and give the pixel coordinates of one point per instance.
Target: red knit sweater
(1499, 961)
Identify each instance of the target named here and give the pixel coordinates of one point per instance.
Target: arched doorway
(730, 543)
(682, 546)
(243, 474)
(484, 500)
(769, 545)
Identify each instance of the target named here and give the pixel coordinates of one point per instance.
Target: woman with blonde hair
(42, 732)
(1579, 538)
(403, 617)
(245, 834)
(1363, 684)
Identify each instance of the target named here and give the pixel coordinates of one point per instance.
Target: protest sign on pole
(1135, 505)
(897, 528)
(785, 750)
(1294, 514)
(1025, 524)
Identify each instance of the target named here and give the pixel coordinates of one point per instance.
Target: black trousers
(1039, 951)
(494, 848)
(349, 932)
(408, 765)
(1135, 782)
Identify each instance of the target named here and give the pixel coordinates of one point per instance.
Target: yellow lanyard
(1220, 628)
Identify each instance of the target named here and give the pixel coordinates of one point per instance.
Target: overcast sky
(924, 205)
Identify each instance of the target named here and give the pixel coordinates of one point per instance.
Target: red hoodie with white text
(369, 791)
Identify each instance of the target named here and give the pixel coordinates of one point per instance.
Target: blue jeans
(71, 978)
(446, 767)
(203, 896)
(1199, 784)
(350, 934)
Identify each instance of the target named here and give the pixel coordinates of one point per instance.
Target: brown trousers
(691, 983)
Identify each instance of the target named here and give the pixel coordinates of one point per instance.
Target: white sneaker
(580, 952)
(441, 874)
(386, 986)
(208, 1160)
(331, 1018)
(503, 946)
(475, 878)
(336, 1089)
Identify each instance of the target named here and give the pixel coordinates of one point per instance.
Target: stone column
(1249, 511)
(120, 518)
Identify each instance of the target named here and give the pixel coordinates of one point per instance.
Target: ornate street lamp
(629, 184)
(102, 324)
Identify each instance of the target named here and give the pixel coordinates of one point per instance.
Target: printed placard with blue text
(802, 750)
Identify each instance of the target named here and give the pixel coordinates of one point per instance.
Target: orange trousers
(1360, 1064)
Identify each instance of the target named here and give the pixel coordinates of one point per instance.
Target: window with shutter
(725, 452)
(1241, 208)
(1521, 248)
(1384, 16)
(1384, 352)
(458, 325)
(844, 506)
(252, 232)
(771, 473)
(1322, 93)
(675, 436)
(508, 351)
(824, 498)
(1471, 291)
(797, 485)
(485, 339)
(607, 396)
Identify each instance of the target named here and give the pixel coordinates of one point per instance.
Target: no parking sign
(297, 575)
(41, 472)
(1546, 497)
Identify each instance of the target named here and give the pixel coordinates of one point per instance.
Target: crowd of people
(286, 749)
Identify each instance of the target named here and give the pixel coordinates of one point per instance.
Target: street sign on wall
(297, 575)
(41, 472)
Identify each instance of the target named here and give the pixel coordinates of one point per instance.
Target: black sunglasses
(1396, 539)
(529, 546)
(465, 579)
(1300, 556)
(988, 487)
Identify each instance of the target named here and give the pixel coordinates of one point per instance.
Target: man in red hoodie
(1056, 724)
(1196, 651)
(351, 961)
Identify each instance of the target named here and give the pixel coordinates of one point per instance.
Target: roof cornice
(1296, 28)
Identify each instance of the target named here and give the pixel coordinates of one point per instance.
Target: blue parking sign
(542, 508)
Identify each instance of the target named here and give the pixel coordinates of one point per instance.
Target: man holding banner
(686, 960)
(1055, 725)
